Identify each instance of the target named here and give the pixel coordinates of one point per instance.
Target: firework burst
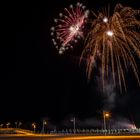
(117, 40)
(69, 27)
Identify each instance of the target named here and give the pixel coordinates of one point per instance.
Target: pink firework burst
(69, 27)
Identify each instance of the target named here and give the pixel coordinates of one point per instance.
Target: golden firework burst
(117, 39)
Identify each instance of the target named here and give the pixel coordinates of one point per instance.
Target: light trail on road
(68, 137)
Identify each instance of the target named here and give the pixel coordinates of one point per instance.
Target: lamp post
(16, 123)
(105, 115)
(8, 125)
(43, 126)
(74, 125)
(1, 125)
(19, 124)
(34, 126)
(73, 120)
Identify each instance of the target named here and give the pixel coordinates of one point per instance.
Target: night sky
(36, 82)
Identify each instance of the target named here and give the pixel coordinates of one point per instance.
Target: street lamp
(34, 126)
(16, 123)
(105, 116)
(1, 125)
(73, 120)
(8, 125)
(43, 127)
(19, 124)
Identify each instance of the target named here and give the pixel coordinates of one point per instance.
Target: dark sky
(37, 82)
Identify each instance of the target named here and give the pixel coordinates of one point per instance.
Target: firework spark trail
(69, 27)
(116, 38)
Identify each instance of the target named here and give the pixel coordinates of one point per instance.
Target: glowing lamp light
(107, 115)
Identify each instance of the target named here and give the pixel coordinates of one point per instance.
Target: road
(70, 137)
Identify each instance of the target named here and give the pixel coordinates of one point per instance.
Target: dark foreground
(69, 137)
